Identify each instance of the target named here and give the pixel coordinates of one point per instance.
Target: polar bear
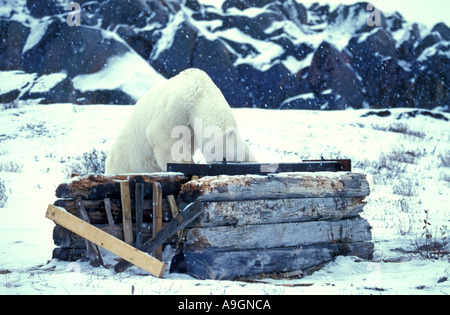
(174, 120)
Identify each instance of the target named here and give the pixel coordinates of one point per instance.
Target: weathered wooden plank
(157, 216)
(110, 217)
(216, 264)
(126, 212)
(93, 253)
(185, 217)
(139, 212)
(249, 212)
(174, 210)
(105, 240)
(276, 186)
(277, 235)
(98, 187)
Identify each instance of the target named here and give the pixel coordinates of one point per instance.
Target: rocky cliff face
(267, 54)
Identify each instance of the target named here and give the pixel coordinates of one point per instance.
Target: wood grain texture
(277, 235)
(276, 186)
(249, 212)
(105, 240)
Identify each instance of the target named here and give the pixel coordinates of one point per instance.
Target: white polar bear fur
(144, 144)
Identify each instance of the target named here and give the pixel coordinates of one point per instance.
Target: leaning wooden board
(105, 240)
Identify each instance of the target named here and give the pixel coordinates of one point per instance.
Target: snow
(129, 72)
(14, 80)
(407, 161)
(433, 51)
(47, 82)
(168, 34)
(36, 34)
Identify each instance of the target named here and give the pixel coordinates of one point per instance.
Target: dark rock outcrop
(265, 53)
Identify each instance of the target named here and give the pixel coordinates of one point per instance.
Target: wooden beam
(99, 187)
(126, 212)
(105, 240)
(216, 264)
(174, 209)
(139, 212)
(110, 217)
(157, 215)
(276, 186)
(250, 237)
(93, 253)
(250, 212)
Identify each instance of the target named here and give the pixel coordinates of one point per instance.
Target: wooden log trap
(231, 221)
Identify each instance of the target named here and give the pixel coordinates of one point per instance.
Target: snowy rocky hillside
(265, 54)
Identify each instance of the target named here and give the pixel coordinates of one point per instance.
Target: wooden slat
(105, 240)
(126, 212)
(110, 217)
(174, 210)
(157, 215)
(93, 253)
(139, 212)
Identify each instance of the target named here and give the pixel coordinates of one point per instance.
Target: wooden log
(105, 240)
(219, 265)
(249, 212)
(276, 186)
(277, 235)
(139, 212)
(157, 216)
(93, 252)
(98, 187)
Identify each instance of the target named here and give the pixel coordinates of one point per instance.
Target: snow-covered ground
(407, 160)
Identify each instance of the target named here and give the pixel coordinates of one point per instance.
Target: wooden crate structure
(95, 192)
(276, 223)
(249, 224)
